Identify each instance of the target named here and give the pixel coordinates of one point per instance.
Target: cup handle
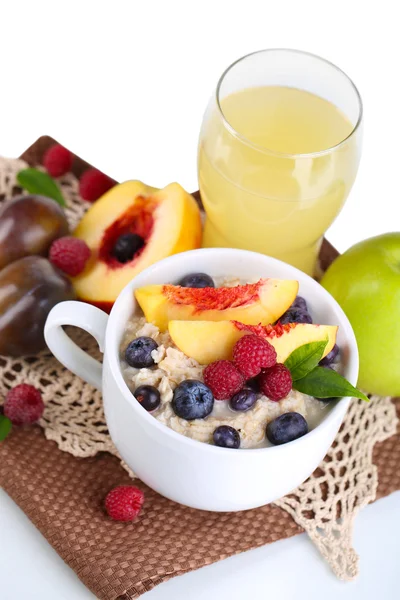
(87, 317)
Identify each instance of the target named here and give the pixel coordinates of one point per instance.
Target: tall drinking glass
(278, 154)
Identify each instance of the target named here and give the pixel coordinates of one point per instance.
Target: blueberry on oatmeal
(148, 396)
(138, 352)
(286, 428)
(326, 400)
(243, 400)
(331, 357)
(300, 302)
(226, 437)
(197, 280)
(296, 315)
(192, 400)
(253, 384)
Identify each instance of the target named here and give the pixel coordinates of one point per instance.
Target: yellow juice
(270, 176)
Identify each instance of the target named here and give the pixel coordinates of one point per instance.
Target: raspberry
(276, 382)
(124, 503)
(252, 353)
(93, 184)
(223, 378)
(23, 404)
(69, 254)
(57, 160)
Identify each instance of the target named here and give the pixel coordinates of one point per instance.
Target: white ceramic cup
(185, 470)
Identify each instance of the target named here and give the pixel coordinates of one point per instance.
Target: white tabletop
(125, 87)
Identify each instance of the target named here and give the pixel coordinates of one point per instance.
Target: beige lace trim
(325, 505)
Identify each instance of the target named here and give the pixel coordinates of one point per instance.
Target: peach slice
(262, 302)
(207, 341)
(168, 220)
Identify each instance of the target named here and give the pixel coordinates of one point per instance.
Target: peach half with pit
(166, 221)
(208, 341)
(262, 302)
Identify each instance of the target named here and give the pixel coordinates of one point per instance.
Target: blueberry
(299, 302)
(192, 400)
(197, 280)
(138, 352)
(296, 315)
(253, 384)
(226, 437)
(286, 428)
(327, 400)
(330, 358)
(126, 246)
(148, 396)
(243, 400)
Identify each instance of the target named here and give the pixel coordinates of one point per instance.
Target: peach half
(168, 220)
(207, 341)
(262, 302)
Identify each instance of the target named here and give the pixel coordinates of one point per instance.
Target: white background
(124, 85)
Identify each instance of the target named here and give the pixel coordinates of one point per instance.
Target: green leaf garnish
(326, 383)
(305, 358)
(37, 182)
(5, 427)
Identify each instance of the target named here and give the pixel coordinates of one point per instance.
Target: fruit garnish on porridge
(233, 364)
(193, 337)
(261, 302)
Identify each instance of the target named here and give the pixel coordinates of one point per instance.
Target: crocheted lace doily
(325, 505)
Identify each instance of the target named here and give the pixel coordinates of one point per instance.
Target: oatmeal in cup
(188, 368)
(197, 373)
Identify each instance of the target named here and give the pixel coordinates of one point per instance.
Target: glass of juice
(278, 154)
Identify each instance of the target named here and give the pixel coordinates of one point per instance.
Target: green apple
(365, 281)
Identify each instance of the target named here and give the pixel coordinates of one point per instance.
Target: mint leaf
(326, 383)
(5, 427)
(37, 182)
(305, 358)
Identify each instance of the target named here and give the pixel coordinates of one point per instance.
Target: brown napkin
(63, 497)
